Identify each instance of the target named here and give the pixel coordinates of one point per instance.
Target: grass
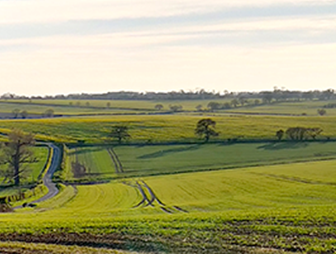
(19, 247)
(33, 170)
(161, 128)
(147, 160)
(308, 108)
(171, 159)
(147, 105)
(274, 208)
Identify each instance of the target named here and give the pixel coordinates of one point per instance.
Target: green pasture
(96, 161)
(147, 160)
(171, 159)
(280, 208)
(145, 105)
(308, 108)
(162, 128)
(38, 109)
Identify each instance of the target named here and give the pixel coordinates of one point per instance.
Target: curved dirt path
(47, 179)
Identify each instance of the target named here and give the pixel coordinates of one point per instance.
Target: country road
(47, 179)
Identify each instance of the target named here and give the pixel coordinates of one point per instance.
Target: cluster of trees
(299, 133)
(276, 95)
(17, 113)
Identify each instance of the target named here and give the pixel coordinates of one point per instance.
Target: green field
(283, 207)
(171, 159)
(164, 191)
(308, 108)
(162, 128)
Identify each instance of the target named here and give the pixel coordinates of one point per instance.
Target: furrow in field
(116, 166)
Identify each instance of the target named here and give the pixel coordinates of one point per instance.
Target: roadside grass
(32, 170)
(163, 128)
(276, 208)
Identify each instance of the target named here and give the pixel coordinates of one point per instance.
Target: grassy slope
(227, 209)
(146, 160)
(166, 127)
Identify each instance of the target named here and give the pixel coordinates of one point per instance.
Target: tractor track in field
(115, 159)
(149, 198)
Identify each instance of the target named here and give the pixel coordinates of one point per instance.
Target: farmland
(165, 190)
(171, 159)
(282, 207)
(163, 128)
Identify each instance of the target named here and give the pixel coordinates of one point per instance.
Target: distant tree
(78, 103)
(267, 97)
(314, 132)
(280, 134)
(199, 107)
(16, 153)
(119, 132)
(214, 105)
(302, 133)
(226, 105)
(70, 103)
(16, 112)
(24, 114)
(49, 113)
(175, 108)
(321, 112)
(108, 105)
(296, 133)
(235, 103)
(256, 102)
(242, 101)
(87, 104)
(205, 129)
(158, 107)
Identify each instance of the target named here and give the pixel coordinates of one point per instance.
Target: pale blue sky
(73, 46)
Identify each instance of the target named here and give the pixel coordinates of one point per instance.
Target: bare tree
(16, 152)
(16, 112)
(24, 114)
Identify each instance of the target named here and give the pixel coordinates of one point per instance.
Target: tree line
(277, 95)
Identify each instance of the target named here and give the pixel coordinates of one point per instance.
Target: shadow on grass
(86, 150)
(286, 145)
(162, 153)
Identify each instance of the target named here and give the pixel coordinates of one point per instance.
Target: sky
(95, 46)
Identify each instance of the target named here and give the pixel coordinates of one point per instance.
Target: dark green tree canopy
(205, 129)
(119, 132)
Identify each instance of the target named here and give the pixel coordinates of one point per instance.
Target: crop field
(146, 105)
(165, 191)
(161, 128)
(274, 208)
(36, 110)
(102, 162)
(308, 108)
